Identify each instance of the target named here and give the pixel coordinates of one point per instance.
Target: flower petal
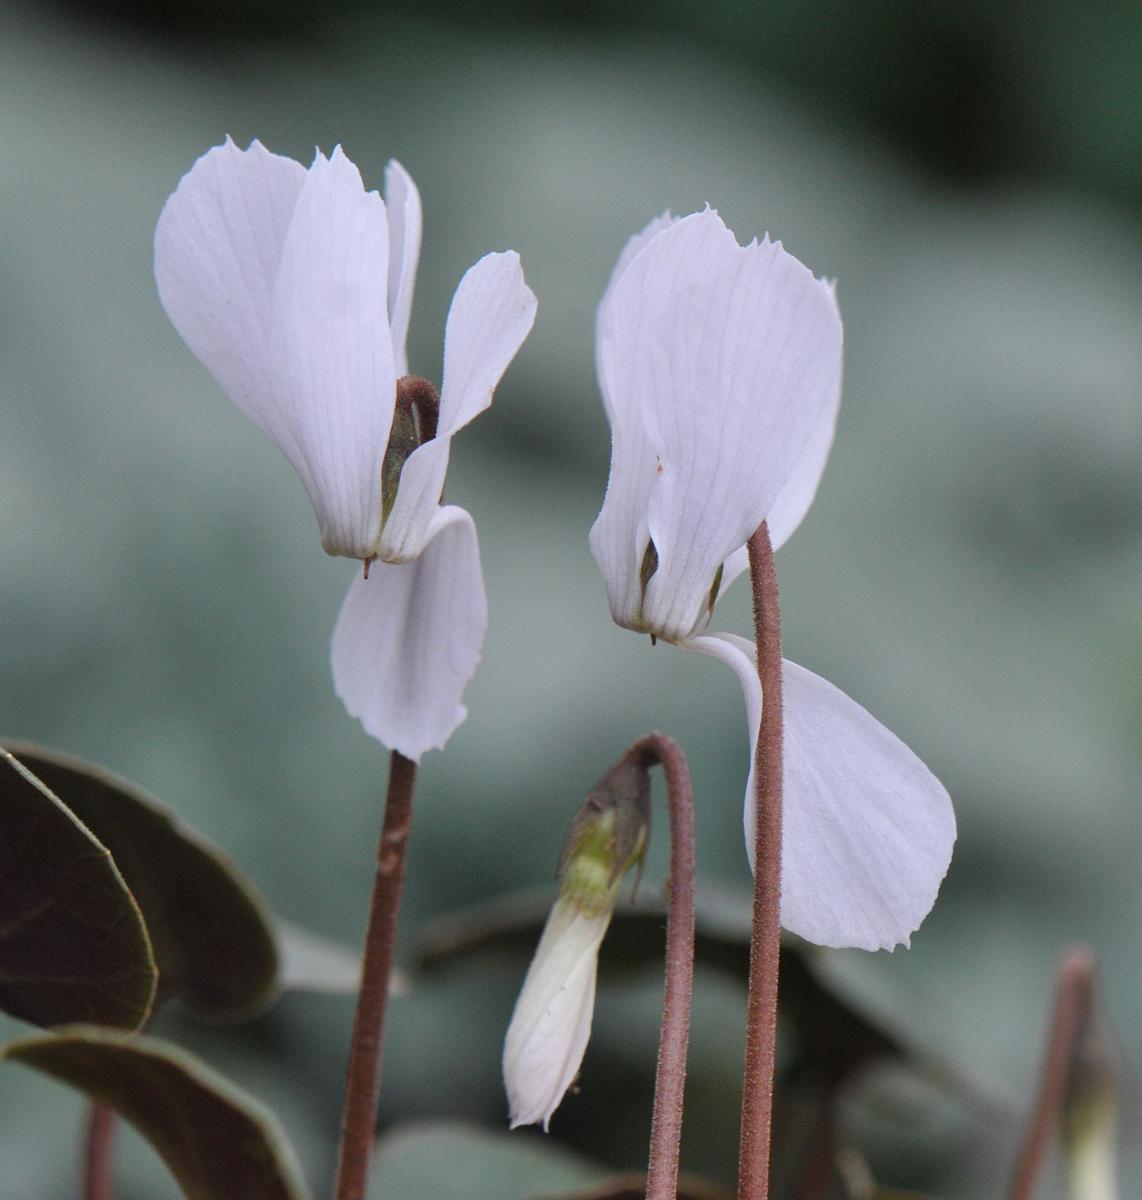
(868, 829)
(795, 498)
(626, 257)
(409, 638)
(491, 314)
(218, 243)
(745, 363)
(551, 1024)
(332, 358)
(653, 266)
(402, 202)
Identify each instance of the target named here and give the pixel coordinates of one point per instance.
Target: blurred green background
(971, 570)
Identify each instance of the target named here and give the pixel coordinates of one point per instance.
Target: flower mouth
(416, 416)
(669, 632)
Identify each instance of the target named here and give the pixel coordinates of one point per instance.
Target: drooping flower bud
(551, 1023)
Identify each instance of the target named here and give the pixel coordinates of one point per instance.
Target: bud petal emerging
(552, 1020)
(548, 1034)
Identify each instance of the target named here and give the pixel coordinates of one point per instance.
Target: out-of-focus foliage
(450, 1159)
(215, 1140)
(214, 942)
(73, 944)
(971, 571)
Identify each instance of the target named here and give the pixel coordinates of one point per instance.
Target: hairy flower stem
(99, 1153)
(669, 1083)
(1072, 1004)
(765, 942)
(362, 1089)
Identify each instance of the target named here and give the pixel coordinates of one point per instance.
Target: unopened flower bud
(551, 1023)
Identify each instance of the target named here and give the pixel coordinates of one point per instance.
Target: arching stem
(670, 1080)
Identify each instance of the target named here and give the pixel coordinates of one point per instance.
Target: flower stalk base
(358, 1122)
(99, 1154)
(670, 1079)
(765, 943)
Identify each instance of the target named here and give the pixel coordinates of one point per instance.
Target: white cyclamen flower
(720, 369)
(294, 288)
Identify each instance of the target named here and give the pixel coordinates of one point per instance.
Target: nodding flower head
(294, 287)
(720, 369)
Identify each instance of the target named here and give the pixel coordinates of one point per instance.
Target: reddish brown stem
(362, 1089)
(765, 943)
(670, 1080)
(99, 1154)
(1072, 1003)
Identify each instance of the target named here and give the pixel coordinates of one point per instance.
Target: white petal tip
(409, 639)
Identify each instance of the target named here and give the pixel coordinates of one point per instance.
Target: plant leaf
(217, 1141)
(311, 963)
(212, 933)
(632, 1186)
(73, 945)
(449, 1159)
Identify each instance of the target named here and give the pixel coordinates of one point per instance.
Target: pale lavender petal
(491, 314)
(796, 497)
(402, 202)
(868, 829)
(626, 257)
(660, 261)
(218, 244)
(409, 639)
(745, 363)
(551, 1024)
(331, 353)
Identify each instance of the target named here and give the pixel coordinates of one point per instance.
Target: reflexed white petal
(491, 314)
(868, 829)
(745, 363)
(619, 536)
(217, 247)
(551, 1023)
(409, 638)
(402, 202)
(652, 228)
(642, 294)
(621, 525)
(795, 498)
(332, 359)
(626, 257)
(406, 531)
(656, 263)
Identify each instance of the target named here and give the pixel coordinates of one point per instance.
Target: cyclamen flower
(294, 289)
(720, 369)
